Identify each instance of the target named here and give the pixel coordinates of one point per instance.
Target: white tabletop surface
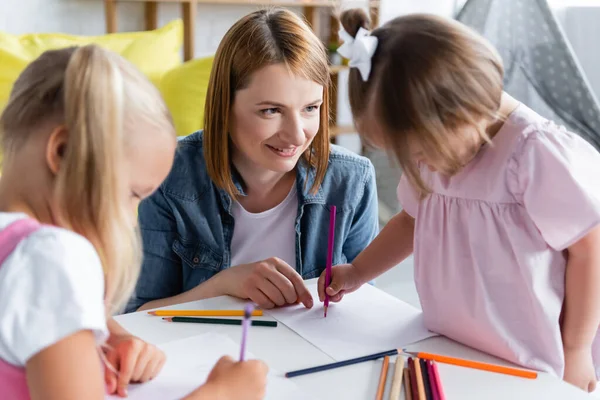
(284, 350)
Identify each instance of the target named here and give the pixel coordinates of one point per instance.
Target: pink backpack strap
(13, 380)
(12, 235)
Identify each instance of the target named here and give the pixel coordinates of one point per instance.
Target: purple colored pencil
(432, 381)
(329, 265)
(245, 325)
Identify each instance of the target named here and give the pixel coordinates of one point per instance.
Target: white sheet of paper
(189, 361)
(365, 322)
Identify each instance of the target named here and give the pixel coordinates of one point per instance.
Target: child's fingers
(126, 369)
(335, 287)
(110, 377)
(338, 297)
(321, 287)
(144, 358)
(158, 367)
(151, 370)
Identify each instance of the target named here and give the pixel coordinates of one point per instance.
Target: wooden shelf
(189, 12)
(336, 69)
(262, 3)
(336, 130)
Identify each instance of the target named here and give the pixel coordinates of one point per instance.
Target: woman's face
(274, 119)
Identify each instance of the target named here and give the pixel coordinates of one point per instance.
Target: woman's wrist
(218, 285)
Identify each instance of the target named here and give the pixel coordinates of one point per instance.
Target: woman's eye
(269, 111)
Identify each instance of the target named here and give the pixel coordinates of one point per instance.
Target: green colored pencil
(221, 321)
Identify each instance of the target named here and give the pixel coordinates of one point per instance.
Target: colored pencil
(340, 364)
(426, 381)
(245, 325)
(419, 378)
(432, 382)
(407, 388)
(329, 265)
(219, 321)
(203, 313)
(476, 365)
(438, 381)
(383, 378)
(413, 379)
(397, 380)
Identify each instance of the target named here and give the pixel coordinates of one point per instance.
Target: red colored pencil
(329, 265)
(413, 379)
(438, 381)
(432, 381)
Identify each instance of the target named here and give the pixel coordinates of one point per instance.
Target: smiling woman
(245, 209)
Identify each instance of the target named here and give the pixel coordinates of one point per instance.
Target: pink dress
(489, 241)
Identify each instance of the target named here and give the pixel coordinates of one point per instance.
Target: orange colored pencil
(407, 388)
(420, 383)
(203, 313)
(477, 365)
(383, 378)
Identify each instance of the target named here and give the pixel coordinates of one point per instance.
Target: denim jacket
(187, 224)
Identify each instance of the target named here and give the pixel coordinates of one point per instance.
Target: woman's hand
(268, 283)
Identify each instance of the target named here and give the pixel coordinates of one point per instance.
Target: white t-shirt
(271, 233)
(51, 286)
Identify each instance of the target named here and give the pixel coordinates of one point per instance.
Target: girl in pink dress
(501, 207)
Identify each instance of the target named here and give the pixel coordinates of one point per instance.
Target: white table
(284, 351)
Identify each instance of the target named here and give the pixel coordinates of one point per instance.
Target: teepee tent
(541, 68)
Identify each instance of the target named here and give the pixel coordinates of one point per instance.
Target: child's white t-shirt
(51, 286)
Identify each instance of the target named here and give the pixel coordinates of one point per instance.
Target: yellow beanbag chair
(184, 90)
(153, 52)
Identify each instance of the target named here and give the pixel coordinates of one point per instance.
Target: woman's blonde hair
(98, 97)
(430, 78)
(260, 39)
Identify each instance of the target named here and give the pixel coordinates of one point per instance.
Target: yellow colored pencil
(203, 313)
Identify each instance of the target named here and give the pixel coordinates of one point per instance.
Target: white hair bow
(359, 50)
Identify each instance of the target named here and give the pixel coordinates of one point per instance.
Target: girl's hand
(134, 359)
(344, 279)
(579, 368)
(230, 380)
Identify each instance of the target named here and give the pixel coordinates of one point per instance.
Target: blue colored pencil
(339, 364)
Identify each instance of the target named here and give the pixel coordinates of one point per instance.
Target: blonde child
(500, 207)
(85, 137)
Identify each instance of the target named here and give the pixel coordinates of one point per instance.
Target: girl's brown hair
(98, 97)
(430, 78)
(257, 40)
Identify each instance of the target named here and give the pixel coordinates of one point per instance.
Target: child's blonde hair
(260, 39)
(99, 98)
(430, 78)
